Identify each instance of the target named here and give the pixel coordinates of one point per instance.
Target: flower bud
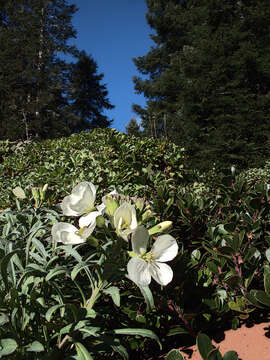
(19, 193)
(146, 215)
(42, 192)
(160, 227)
(36, 195)
(139, 204)
(100, 221)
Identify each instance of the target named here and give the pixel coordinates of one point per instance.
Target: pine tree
(133, 128)
(163, 84)
(226, 103)
(32, 77)
(87, 95)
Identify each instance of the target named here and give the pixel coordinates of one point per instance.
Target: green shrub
(104, 156)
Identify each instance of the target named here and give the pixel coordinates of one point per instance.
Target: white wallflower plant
(80, 201)
(146, 265)
(125, 220)
(68, 234)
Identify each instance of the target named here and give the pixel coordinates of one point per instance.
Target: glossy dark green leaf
(267, 283)
(230, 355)
(262, 297)
(174, 354)
(204, 345)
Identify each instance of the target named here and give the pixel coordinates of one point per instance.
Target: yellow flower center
(81, 231)
(147, 256)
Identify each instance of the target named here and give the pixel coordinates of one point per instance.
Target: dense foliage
(98, 156)
(221, 274)
(39, 91)
(207, 79)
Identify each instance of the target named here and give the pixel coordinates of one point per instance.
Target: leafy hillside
(104, 156)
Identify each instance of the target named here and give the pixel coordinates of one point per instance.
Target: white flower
(68, 234)
(81, 201)
(125, 220)
(144, 265)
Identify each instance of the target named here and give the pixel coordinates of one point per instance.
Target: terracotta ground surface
(250, 343)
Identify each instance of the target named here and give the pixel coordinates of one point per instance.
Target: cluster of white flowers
(143, 265)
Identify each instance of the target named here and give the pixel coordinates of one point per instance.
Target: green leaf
(121, 350)
(267, 254)
(214, 354)
(136, 331)
(52, 310)
(148, 297)
(3, 319)
(204, 345)
(69, 250)
(4, 266)
(35, 346)
(19, 193)
(230, 355)
(55, 272)
(177, 331)
(238, 305)
(7, 346)
(262, 297)
(196, 254)
(267, 283)
(113, 291)
(251, 298)
(82, 352)
(174, 354)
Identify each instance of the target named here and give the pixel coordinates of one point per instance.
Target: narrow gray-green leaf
(267, 254)
(69, 250)
(82, 352)
(267, 283)
(52, 310)
(114, 292)
(35, 346)
(4, 266)
(7, 346)
(177, 331)
(55, 272)
(148, 297)
(137, 331)
(121, 350)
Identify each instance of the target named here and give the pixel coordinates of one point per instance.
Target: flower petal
(101, 208)
(80, 201)
(89, 219)
(165, 248)
(138, 271)
(139, 240)
(66, 234)
(160, 272)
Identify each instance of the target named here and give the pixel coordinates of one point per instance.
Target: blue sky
(114, 32)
